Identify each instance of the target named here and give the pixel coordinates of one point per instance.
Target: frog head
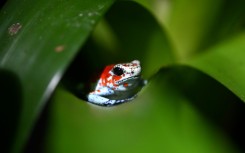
(125, 72)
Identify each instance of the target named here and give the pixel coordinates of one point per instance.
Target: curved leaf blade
(161, 119)
(38, 41)
(189, 21)
(225, 62)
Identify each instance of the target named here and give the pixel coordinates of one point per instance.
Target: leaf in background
(188, 23)
(38, 41)
(225, 62)
(229, 22)
(197, 25)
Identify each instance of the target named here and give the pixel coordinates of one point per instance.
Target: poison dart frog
(117, 84)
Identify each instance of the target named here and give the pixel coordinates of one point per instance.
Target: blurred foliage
(190, 51)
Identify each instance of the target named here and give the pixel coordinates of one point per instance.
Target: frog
(118, 83)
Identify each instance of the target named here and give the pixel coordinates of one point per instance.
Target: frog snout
(136, 62)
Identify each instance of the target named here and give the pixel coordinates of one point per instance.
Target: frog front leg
(97, 96)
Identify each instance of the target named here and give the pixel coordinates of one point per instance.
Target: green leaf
(225, 62)
(194, 26)
(189, 21)
(38, 41)
(161, 119)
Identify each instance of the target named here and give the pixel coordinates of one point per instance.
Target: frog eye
(117, 71)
